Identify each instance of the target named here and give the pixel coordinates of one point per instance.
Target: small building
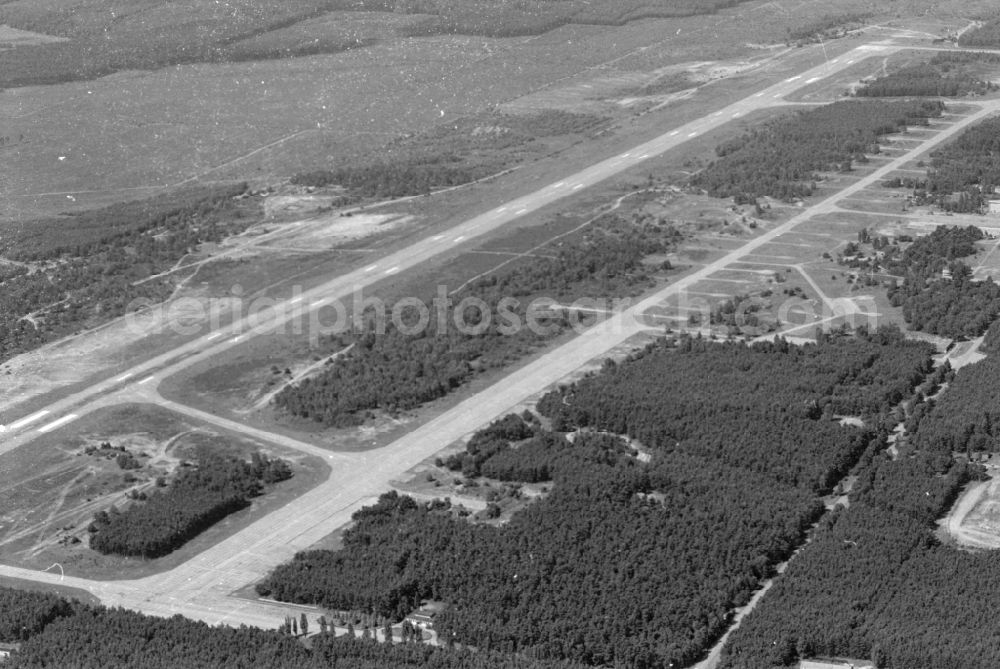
(993, 207)
(6, 649)
(425, 615)
(423, 620)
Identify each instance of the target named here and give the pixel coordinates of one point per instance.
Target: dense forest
(24, 614)
(54, 632)
(986, 35)
(965, 172)
(958, 308)
(991, 340)
(67, 274)
(400, 370)
(783, 158)
(628, 562)
(197, 498)
(876, 582)
(937, 294)
(966, 418)
(937, 77)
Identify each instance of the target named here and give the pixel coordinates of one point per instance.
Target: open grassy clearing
(152, 129)
(266, 120)
(247, 374)
(54, 487)
(796, 281)
(62, 591)
(746, 278)
(152, 34)
(455, 204)
(235, 381)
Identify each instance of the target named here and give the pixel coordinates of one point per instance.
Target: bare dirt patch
(330, 230)
(974, 521)
(52, 489)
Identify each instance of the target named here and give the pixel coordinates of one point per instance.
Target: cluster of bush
(198, 498)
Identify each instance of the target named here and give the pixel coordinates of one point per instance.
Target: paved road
(201, 588)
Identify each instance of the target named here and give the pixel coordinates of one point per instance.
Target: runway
(202, 587)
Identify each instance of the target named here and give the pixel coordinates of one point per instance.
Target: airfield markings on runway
(201, 587)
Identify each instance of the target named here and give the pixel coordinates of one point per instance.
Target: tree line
(627, 562)
(56, 632)
(985, 35)
(964, 173)
(783, 158)
(197, 498)
(966, 418)
(400, 370)
(925, 79)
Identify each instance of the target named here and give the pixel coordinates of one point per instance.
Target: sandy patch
(660, 86)
(974, 521)
(324, 231)
(75, 358)
(297, 205)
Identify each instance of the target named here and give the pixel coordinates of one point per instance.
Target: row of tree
(783, 158)
(198, 498)
(395, 179)
(964, 173)
(55, 632)
(627, 562)
(826, 27)
(966, 418)
(985, 35)
(924, 79)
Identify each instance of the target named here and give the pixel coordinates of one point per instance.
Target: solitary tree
(304, 624)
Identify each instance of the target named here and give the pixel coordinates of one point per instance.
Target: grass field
(797, 284)
(62, 591)
(137, 131)
(53, 488)
(123, 136)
